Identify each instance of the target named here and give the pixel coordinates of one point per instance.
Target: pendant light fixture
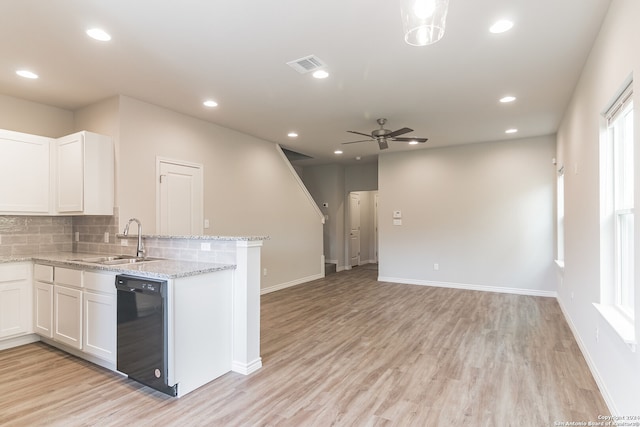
(423, 20)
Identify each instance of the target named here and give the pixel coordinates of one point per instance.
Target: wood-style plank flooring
(345, 351)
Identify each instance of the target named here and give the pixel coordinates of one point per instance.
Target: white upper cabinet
(24, 173)
(72, 175)
(84, 174)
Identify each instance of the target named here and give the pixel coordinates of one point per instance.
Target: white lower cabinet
(15, 296)
(67, 309)
(99, 325)
(78, 309)
(43, 309)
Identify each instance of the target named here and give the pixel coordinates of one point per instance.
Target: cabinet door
(43, 309)
(24, 173)
(67, 316)
(70, 173)
(100, 325)
(14, 308)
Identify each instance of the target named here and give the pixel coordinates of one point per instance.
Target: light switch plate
(397, 222)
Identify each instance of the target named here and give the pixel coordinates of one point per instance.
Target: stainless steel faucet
(140, 248)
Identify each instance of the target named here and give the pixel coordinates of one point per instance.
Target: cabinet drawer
(43, 273)
(68, 276)
(13, 272)
(100, 282)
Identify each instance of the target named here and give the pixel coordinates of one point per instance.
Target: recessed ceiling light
(511, 130)
(320, 74)
(27, 74)
(358, 158)
(507, 99)
(501, 26)
(210, 103)
(337, 152)
(292, 135)
(98, 34)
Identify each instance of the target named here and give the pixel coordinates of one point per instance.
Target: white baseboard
(18, 341)
(285, 285)
(246, 368)
(470, 287)
(590, 363)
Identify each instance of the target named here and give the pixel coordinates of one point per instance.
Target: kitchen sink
(115, 260)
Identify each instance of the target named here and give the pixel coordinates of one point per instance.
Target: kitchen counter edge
(157, 269)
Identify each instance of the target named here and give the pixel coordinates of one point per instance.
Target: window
(620, 136)
(617, 217)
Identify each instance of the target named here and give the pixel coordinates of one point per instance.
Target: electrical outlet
(206, 223)
(205, 246)
(597, 334)
(77, 236)
(436, 267)
(264, 272)
(106, 237)
(571, 296)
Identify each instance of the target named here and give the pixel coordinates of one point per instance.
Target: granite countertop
(158, 268)
(190, 237)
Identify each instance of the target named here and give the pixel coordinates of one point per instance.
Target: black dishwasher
(142, 331)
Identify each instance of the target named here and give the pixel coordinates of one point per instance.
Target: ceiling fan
(383, 135)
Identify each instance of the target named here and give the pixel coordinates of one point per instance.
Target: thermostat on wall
(397, 214)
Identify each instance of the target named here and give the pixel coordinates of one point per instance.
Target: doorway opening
(362, 227)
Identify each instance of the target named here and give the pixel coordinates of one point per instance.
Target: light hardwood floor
(349, 351)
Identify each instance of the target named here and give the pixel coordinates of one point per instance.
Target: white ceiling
(178, 53)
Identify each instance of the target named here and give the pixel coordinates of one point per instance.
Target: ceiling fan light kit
(382, 136)
(423, 21)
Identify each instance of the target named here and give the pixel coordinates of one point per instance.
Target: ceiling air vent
(306, 64)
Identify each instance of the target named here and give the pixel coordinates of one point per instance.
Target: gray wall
(482, 212)
(614, 57)
(326, 185)
(30, 117)
(249, 187)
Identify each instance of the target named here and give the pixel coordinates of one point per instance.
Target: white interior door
(354, 230)
(180, 198)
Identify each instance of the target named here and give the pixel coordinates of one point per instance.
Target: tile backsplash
(24, 235)
(27, 235)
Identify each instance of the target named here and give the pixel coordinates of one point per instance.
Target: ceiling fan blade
(360, 133)
(353, 142)
(411, 139)
(383, 144)
(399, 132)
